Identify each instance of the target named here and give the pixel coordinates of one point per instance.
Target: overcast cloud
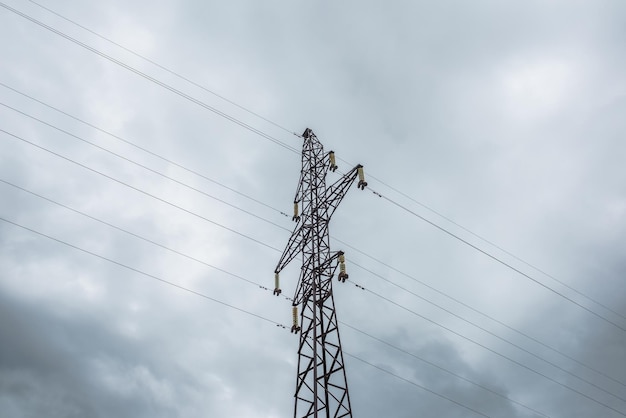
(505, 117)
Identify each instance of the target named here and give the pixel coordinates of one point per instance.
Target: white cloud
(537, 87)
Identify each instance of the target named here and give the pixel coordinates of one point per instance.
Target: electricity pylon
(321, 385)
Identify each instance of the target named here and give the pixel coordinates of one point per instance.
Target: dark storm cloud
(61, 361)
(407, 400)
(56, 363)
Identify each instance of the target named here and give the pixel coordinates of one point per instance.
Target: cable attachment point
(277, 290)
(333, 164)
(295, 328)
(343, 276)
(362, 183)
(296, 216)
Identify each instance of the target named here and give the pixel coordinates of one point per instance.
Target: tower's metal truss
(321, 385)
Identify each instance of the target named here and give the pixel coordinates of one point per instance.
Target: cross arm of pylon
(337, 191)
(338, 255)
(326, 269)
(294, 246)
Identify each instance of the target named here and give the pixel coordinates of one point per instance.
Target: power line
(371, 176)
(272, 139)
(140, 272)
(143, 166)
(241, 234)
(289, 131)
(448, 329)
(279, 226)
(258, 285)
(414, 384)
(494, 334)
(154, 80)
(252, 282)
(469, 307)
(110, 225)
(493, 257)
(579, 305)
(224, 304)
(167, 160)
(142, 191)
(162, 67)
(483, 387)
(498, 247)
(491, 350)
(154, 171)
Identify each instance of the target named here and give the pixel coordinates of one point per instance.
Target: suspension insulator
(296, 216)
(277, 290)
(362, 183)
(294, 312)
(333, 164)
(343, 276)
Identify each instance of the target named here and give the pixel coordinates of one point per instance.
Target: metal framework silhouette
(321, 384)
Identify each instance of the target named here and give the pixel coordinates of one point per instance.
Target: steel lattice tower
(321, 385)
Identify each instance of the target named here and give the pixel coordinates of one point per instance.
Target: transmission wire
(139, 271)
(289, 131)
(264, 135)
(468, 307)
(229, 306)
(483, 387)
(264, 219)
(154, 80)
(490, 350)
(258, 285)
(141, 191)
(499, 248)
(492, 333)
(174, 73)
(292, 149)
(167, 160)
(413, 383)
(493, 257)
(144, 167)
(236, 232)
(110, 225)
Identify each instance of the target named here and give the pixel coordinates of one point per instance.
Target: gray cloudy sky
(506, 117)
